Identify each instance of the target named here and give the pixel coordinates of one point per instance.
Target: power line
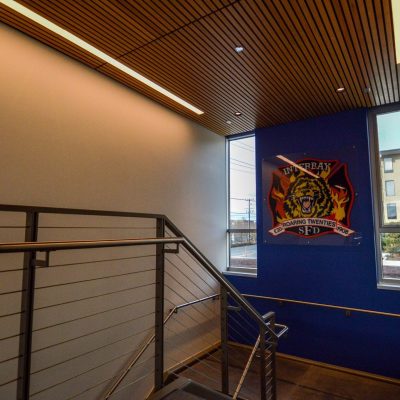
(243, 162)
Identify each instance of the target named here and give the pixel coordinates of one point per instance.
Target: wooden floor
(295, 381)
(300, 381)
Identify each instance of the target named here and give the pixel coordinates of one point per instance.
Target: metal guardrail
(228, 292)
(148, 342)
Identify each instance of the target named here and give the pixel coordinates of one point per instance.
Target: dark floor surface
(295, 380)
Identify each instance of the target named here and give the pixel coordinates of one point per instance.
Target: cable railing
(122, 311)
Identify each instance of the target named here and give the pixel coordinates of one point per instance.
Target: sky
(242, 176)
(389, 131)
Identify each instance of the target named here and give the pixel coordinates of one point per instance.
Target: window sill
(242, 271)
(388, 286)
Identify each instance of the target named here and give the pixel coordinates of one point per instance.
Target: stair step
(187, 389)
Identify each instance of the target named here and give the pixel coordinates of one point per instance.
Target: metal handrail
(234, 293)
(20, 247)
(77, 211)
(322, 305)
(148, 342)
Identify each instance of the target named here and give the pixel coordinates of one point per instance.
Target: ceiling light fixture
(396, 27)
(228, 122)
(237, 114)
(340, 90)
(96, 52)
(239, 49)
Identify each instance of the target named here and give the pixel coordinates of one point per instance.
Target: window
(389, 187)
(388, 164)
(385, 156)
(391, 211)
(242, 205)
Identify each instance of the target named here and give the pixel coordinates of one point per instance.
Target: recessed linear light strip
(396, 27)
(93, 50)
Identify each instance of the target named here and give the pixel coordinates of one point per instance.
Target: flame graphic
(280, 196)
(340, 198)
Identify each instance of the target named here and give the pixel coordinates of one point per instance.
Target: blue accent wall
(339, 275)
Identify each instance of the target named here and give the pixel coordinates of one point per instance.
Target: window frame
(386, 188)
(387, 210)
(377, 189)
(384, 165)
(229, 230)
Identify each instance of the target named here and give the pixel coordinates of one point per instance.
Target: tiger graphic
(308, 197)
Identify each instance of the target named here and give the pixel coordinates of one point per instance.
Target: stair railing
(232, 304)
(148, 342)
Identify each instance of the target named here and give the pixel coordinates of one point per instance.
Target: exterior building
(390, 178)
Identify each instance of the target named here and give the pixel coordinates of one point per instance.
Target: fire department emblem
(310, 198)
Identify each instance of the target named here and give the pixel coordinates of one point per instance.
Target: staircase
(118, 305)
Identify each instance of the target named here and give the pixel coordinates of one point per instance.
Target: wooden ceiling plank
(180, 14)
(365, 73)
(339, 60)
(278, 62)
(388, 18)
(378, 48)
(89, 30)
(376, 60)
(312, 23)
(26, 26)
(248, 71)
(316, 83)
(381, 27)
(153, 11)
(352, 14)
(354, 75)
(200, 7)
(208, 56)
(310, 56)
(300, 58)
(259, 56)
(132, 21)
(184, 86)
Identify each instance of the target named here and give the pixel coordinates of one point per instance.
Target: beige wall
(70, 137)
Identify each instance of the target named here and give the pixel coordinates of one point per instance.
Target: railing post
(159, 311)
(27, 304)
(263, 366)
(224, 342)
(273, 360)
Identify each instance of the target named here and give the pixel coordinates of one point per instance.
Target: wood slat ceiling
(297, 53)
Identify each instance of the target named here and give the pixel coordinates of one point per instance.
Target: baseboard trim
(351, 371)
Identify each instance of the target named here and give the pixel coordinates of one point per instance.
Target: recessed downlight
(228, 122)
(237, 114)
(239, 49)
(96, 52)
(340, 90)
